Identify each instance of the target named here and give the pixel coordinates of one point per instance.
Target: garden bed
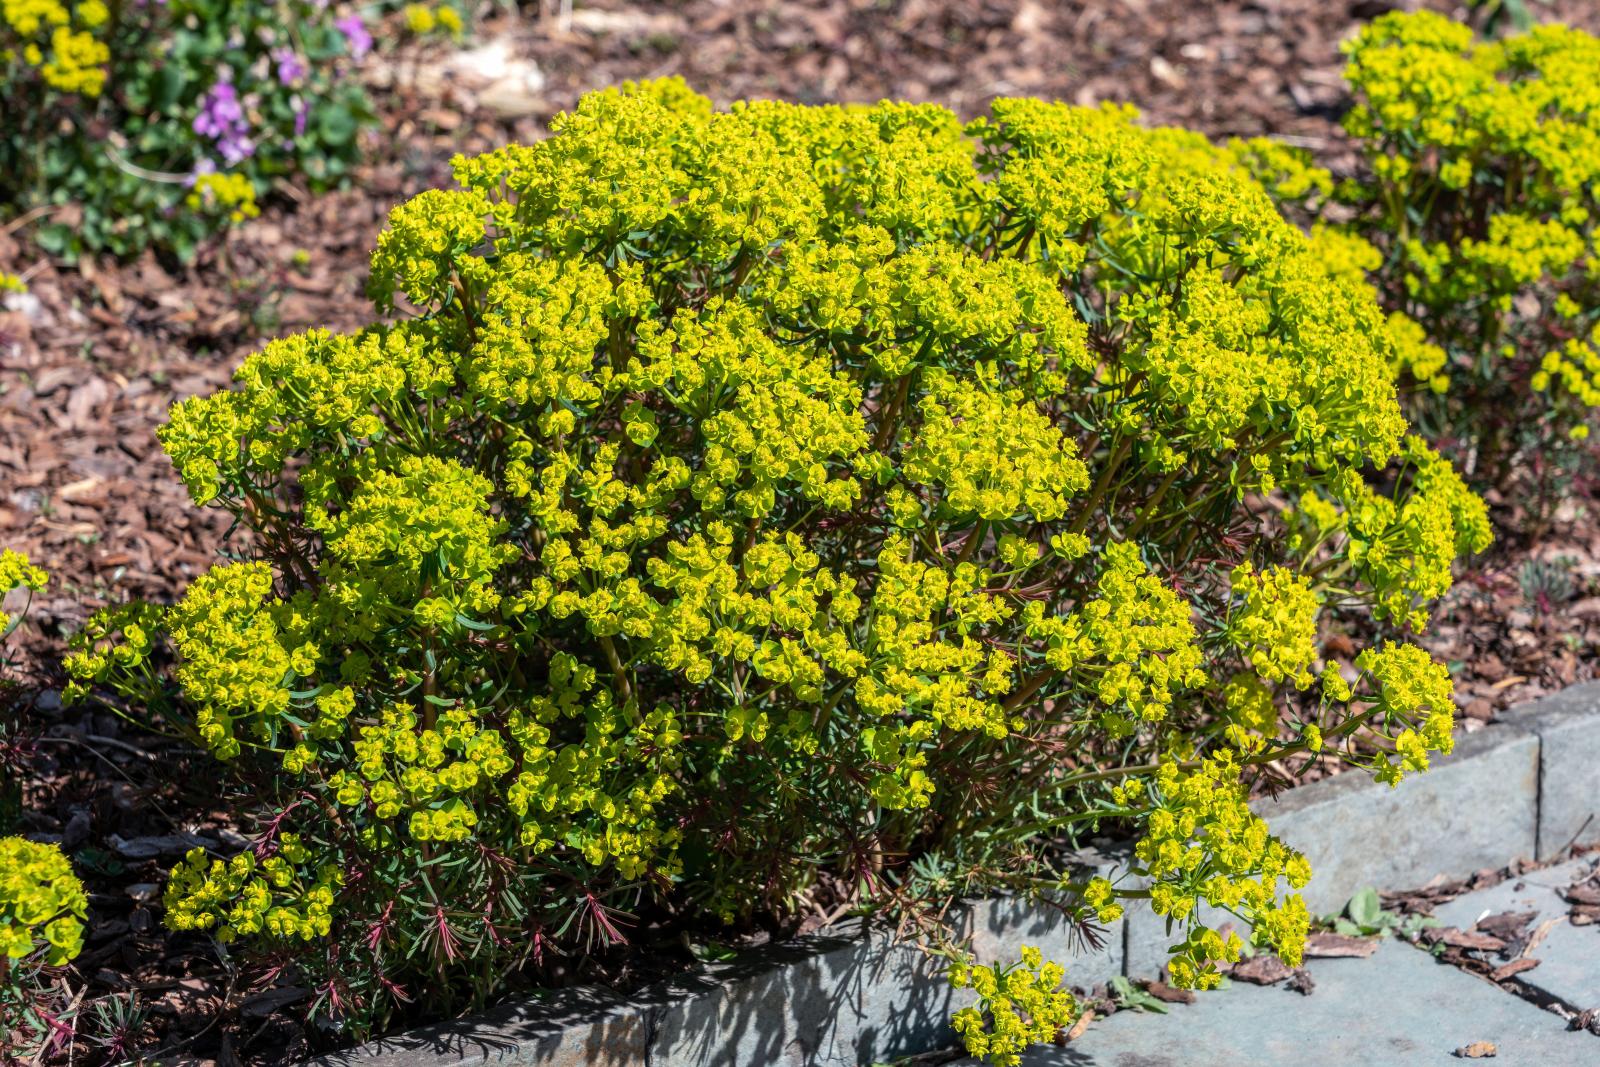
(92, 359)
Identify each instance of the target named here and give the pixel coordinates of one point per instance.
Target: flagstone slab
(1398, 1008)
(1569, 956)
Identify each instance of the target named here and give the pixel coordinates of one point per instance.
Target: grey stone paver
(1398, 1008)
(1568, 726)
(1569, 956)
(1476, 808)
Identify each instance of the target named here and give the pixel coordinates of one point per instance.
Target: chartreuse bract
(736, 504)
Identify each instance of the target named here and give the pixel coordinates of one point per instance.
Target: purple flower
(204, 166)
(222, 119)
(291, 68)
(219, 111)
(355, 33)
(301, 110)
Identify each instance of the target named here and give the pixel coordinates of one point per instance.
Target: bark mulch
(93, 355)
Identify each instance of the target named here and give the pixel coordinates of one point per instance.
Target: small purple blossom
(203, 166)
(301, 111)
(291, 68)
(222, 119)
(356, 37)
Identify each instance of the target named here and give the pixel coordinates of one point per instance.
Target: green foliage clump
(1483, 208)
(747, 497)
(137, 124)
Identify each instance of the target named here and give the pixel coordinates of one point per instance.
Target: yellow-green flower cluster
(1275, 623)
(791, 489)
(274, 897)
(16, 572)
(42, 903)
(1203, 844)
(237, 658)
(992, 456)
(1018, 1006)
(233, 195)
(1409, 687)
(1485, 200)
(113, 647)
(60, 40)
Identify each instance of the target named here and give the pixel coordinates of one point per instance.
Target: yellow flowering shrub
(731, 497)
(1483, 210)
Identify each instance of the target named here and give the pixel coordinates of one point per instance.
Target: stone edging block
(850, 995)
(1524, 786)
(1568, 726)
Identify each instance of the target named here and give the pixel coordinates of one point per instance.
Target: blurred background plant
(136, 123)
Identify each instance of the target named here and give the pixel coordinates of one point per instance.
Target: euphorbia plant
(1481, 207)
(738, 502)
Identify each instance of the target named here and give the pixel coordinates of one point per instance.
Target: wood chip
(1324, 945)
(1515, 967)
(1457, 938)
(1507, 925)
(1540, 934)
(1478, 1050)
(1265, 969)
(1583, 894)
(1163, 992)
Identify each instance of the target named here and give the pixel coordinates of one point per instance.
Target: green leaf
(712, 952)
(336, 125)
(168, 87)
(1364, 907)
